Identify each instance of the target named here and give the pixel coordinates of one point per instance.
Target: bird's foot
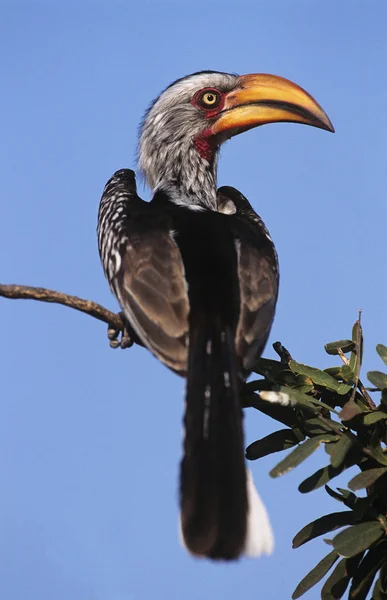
(119, 338)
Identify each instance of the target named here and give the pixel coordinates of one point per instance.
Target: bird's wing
(145, 270)
(257, 274)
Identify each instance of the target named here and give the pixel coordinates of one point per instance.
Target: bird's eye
(209, 99)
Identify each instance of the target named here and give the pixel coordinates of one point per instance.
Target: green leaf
(366, 479)
(318, 377)
(347, 373)
(378, 379)
(302, 400)
(334, 372)
(382, 351)
(287, 377)
(357, 353)
(340, 449)
(337, 583)
(305, 388)
(343, 345)
(343, 389)
(303, 380)
(256, 385)
(270, 368)
(323, 525)
(366, 571)
(333, 494)
(274, 442)
(300, 453)
(322, 476)
(315, 426)
(295, 397)
(357, 538)
(283, 414)
(378, 454)
(315, 575)
(321, 404)
(349, 499)
(345, 496)
(318, 479)
(373, 417)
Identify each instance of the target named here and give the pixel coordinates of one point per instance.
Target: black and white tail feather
(222, 515)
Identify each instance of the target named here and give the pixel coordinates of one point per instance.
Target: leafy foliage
(331, 407)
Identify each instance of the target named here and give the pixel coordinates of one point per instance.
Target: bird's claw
(119, 338)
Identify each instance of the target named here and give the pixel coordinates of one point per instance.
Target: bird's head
(185, 126)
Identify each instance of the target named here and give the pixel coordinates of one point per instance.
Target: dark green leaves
(321, 378)
(357, 353)
(357, 538)
(378, 379)
(340, 450)
(337, 582)
(275, 442)
(343, 345)
(302, 452)
(315, 575)
(320, 478)
(367, 569)
(323, 525)
(374, 417)
(378, 454)
(382, 351)
(304, 399)
(367, 478)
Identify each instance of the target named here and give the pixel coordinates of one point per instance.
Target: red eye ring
(208, 99)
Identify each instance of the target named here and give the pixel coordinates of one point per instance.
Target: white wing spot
(209, 347)
(228, 208)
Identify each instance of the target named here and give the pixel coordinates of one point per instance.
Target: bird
(196, 274)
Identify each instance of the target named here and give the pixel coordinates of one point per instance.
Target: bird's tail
(222, 515)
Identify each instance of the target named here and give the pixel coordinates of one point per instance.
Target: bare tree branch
(114, 320)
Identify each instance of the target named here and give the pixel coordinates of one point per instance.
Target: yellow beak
(261, 99)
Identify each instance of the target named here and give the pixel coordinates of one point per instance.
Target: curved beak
(261, 99)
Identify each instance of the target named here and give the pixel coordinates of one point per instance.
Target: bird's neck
(187, 178)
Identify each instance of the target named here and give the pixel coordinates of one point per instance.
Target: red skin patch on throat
(204, 145)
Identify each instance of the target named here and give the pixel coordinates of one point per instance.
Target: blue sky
(90, 438)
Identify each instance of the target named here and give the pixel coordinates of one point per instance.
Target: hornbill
(196, 274)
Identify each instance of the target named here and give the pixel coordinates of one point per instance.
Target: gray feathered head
(184, 127)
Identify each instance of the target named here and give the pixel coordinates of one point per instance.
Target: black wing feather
(145, 270)
(257, 275)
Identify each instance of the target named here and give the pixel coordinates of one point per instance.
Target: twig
(366, 395)
(342, 356)
(43, 295)
(282, 352)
